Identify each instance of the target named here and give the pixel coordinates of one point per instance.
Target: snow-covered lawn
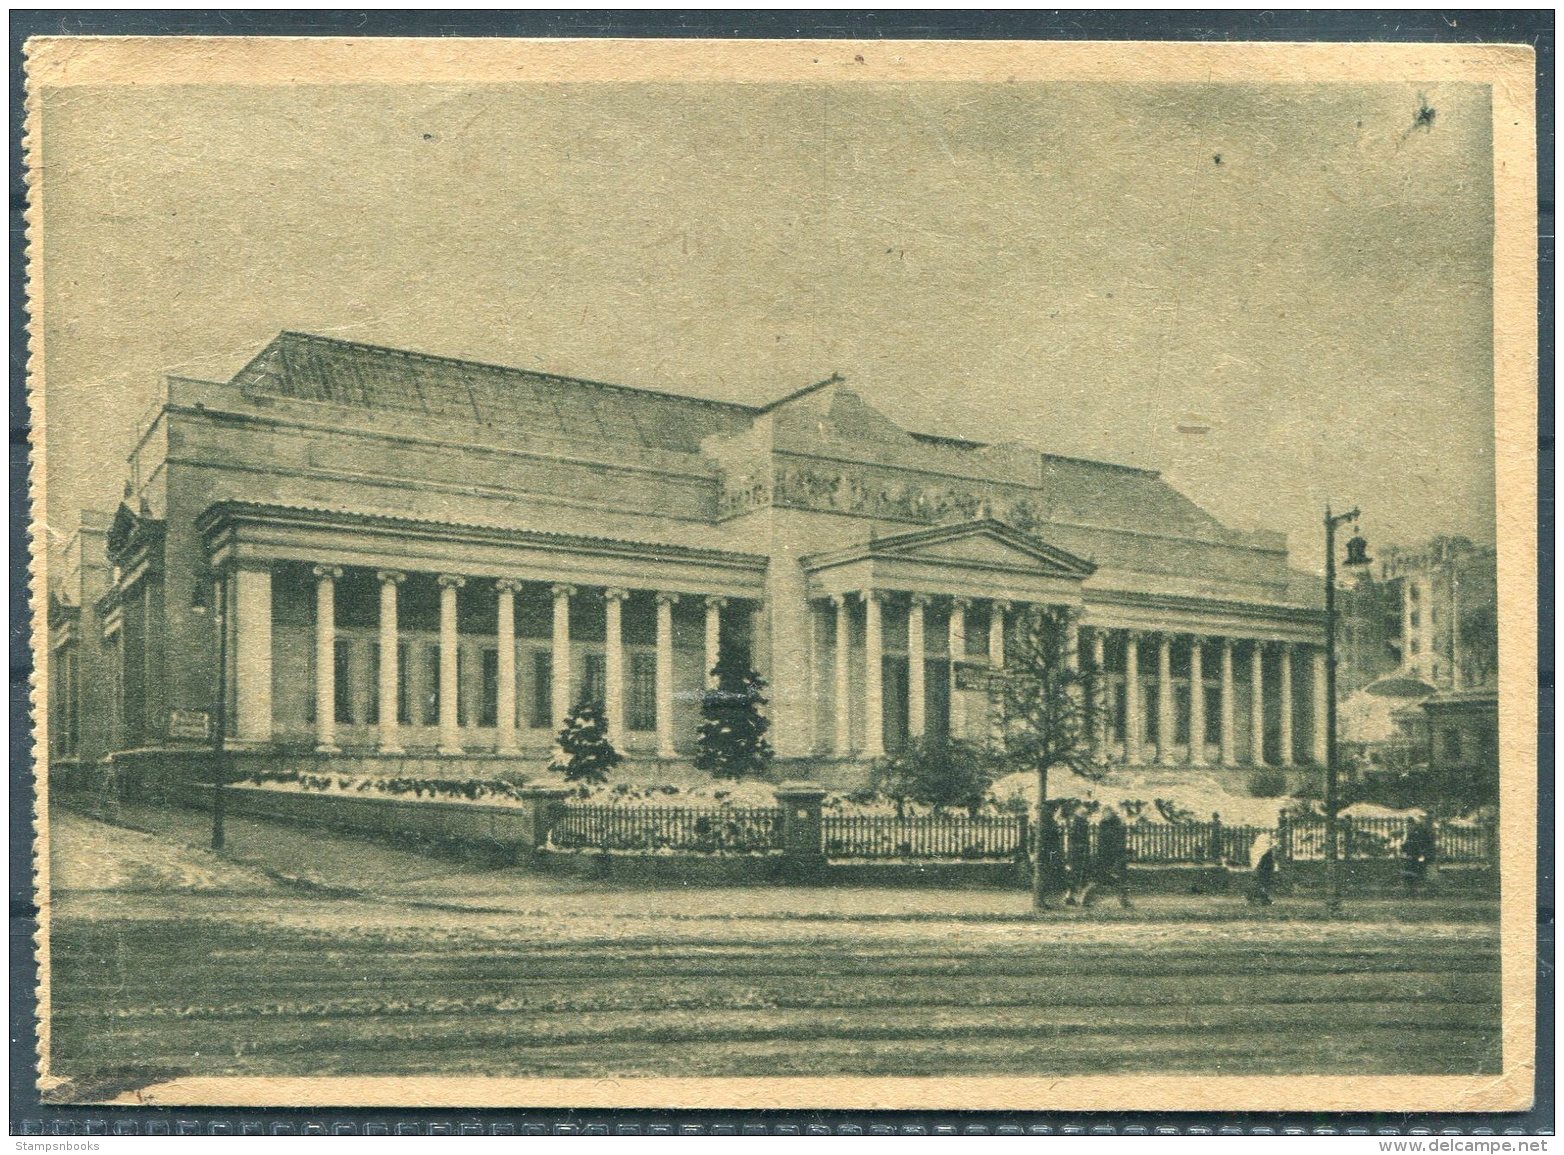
(1141, 795)
(88, 855)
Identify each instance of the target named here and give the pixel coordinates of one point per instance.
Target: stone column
(843, 672)
(996, 633)
(1227, 753)
(665, 602)
(1319, 708)
(1131, 697)
(873, 677)
(957, 644)
(505, 741)
(1197, 701)
(252, 652)
(917, 698)
(390, 733)
(1164, 699)
(1284, 689)
(559, 655)
(713, 638)
(1072, 638)
(326, 657)
(1100, 693)
(1257, 705)
(614, 665)
(450, 740)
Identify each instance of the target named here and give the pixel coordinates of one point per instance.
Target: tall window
(542, 690)
(374, 683)
(73, 699)
(643, 692)
(432, 685)
(404, 713)
(594, 679)
(489, 708)
(342, 663)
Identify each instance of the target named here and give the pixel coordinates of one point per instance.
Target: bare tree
(1050, 709)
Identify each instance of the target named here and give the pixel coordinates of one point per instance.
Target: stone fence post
(540, 807)
(803, 843)
(1490, 829)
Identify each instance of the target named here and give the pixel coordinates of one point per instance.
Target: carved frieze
(861, 491)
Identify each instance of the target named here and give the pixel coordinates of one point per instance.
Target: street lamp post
(220, 705)
(1356, 556)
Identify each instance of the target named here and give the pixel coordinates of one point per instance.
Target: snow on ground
(1195, 795)
(1201, 795)
(88, 855)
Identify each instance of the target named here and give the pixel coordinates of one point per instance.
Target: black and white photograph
(813, 573)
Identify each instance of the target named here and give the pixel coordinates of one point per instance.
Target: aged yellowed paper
(784, 574)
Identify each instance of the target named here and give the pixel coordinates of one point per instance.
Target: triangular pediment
(986, 543)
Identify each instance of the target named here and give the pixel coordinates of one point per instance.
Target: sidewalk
(337, 865)
(292, 854)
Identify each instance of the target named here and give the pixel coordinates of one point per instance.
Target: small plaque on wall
(189, 726)
(973, 675)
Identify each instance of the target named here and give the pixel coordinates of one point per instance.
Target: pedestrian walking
(1113, 858)
(1050, 849)
(1080, 860)
(1262, 861)
(1417, 855)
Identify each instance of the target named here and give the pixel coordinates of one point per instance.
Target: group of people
(1081, 864)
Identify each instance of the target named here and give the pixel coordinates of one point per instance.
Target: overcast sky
(1302, 270)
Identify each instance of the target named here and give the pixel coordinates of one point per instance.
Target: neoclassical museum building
(425, 562)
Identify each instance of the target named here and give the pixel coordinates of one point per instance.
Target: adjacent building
(1429, 612)
(414, 563)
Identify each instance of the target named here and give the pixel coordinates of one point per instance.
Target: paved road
(450, 969)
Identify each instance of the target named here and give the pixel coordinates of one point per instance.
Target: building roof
(904, 475)
(311, 368)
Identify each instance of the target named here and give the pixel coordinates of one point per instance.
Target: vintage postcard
(784, 574)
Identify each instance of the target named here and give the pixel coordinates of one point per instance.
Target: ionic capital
(562, 590)
(920, 600)
(390, 576)
(715, 603)
(959, 603)
(1000, 605)
(508, 585)
(327, 572)
(615, 595)
(451, 581)
(667, 598)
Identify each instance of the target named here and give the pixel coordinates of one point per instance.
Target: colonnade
(252, 643)
(1085, 639)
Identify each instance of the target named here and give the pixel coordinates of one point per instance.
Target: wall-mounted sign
(189, 726)
(973, 675)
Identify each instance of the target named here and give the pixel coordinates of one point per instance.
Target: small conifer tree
(731, 742)
(583, 751)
